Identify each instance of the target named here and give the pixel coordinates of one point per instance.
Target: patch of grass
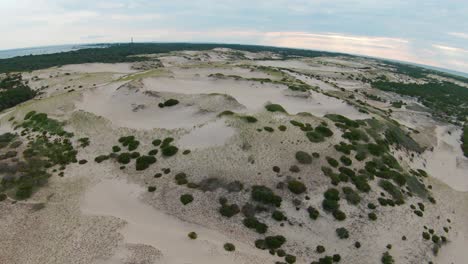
(392, 190)
(342, 120)
(275, 108)
(40, 122)
(324, 131)
(282, 128)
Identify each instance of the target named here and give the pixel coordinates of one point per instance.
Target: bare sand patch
(207, 135)
(99, 67)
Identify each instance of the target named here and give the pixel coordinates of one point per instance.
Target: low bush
(315, 137)
(346, 161)
(116, 149)
(278, 215)
(274, 242)
(387, 258)
(229, 247)
(290, 259)
(192, 235)
(339, 215)
(303, 157)
(372, 216)
(229, 210)
(332, 194)
(296, 187)
(320, 249)
(275, 108)
(360, 156)
(333, 162)
(101, 158)
(153, 152)
(253, 223)
(169, 151)
(294, 168)
(351, 196)
(156, 142)
(392, 190)
(269, 129)
(181, 178)
(186, 199)
(282, 128)
(330, 205)
(249, 119)
(143, 162)
(313, 213)
(171, 102)
(124, 158)
(265, 195)
(151, 188)
(342, 233)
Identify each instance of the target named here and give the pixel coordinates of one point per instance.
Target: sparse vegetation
(303, 157)
(265, 195)
(186, 199)
(275, 108)
(296, 187)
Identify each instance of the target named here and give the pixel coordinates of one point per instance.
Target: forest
(13, 91)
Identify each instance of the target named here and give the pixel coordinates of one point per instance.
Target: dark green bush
(171, 102)
(303, 157)
(151, 188)
(265, 195)
(330, 205)
(392, 190)
(192, 235)
(169, 151)
(290, 259)
(275, 108)
(282, 128)
(278, 215)
(313, 213)
(360, 156)
(346, 161)
(269, 129)
(294, 168)
(339, 215)
(324, 131)
(124, 158)
(249, 119)
(342, 233)
(387, 258)
(186, 199)
(296, 187)
(332, 194)
(101, 158)
(116, 149)
(253, 223)
(181, 178)
(315, 137)
(372, 216)
(153, 152)
(229, 247)
(274, 242)
(333, 162)
(320, 249)
(229, 210)
(134, 155)
(351, 196)
(156, 142)
(143, 162)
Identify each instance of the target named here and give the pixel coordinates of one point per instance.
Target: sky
(421, 31)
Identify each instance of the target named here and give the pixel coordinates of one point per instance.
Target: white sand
(255, 96)
(145, 225)
(207, 135)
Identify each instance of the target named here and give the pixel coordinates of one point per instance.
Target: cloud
(459, 35)
(450, 49)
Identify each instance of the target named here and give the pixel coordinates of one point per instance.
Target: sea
(5, 54)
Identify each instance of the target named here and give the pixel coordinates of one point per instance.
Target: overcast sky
(423, 31)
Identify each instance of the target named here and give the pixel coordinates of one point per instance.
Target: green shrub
(303, 157)
(296, 187)
(320, 249)
(324, 131)
(282, 128)
(336, 258)
(171, 102)
(330, 205)
(372, 216)
(143, 162)
(351, 196)
(134, 155)
(392, 190)
(339, 215)
(153, 152)
(169, 151)
(101, 158)
(313, 213)
(332, 194)
(360, 156)
(346, 161)
(294, 168)
(371, 206)
(229, 210)
(253, 223)
(275, 108)
(192, 235)
(229, 247)
(355, 135)
(265, 195)
(116, 149)
(181, 178)
(156, 142)
(387, 258)
(290, 259)
(342, 233)
(249, 119)
(278, 215)
(151, 188)
(376, 150)
(124, 158)
(361, 183)
(274, 242)
(343, 120)
(24, 191)
(186, 199)
(269, 129)
(333, 162)
(315, 137)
